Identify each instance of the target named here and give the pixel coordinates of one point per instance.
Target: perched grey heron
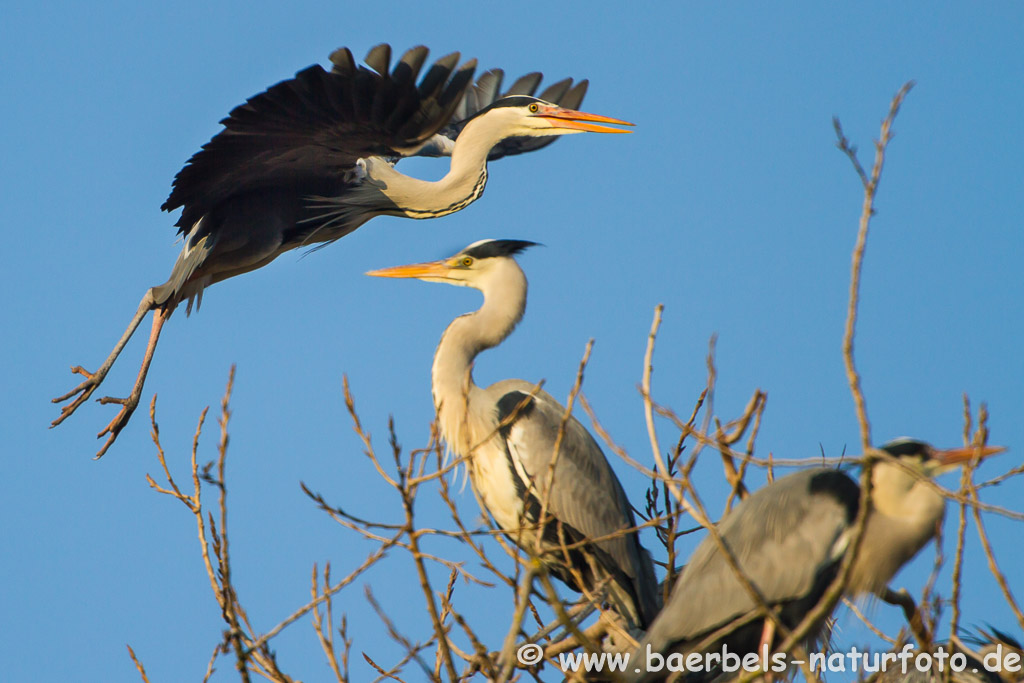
(507, 433)
(311, 159)
(789, 539)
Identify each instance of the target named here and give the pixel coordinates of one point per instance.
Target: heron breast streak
(474, 194)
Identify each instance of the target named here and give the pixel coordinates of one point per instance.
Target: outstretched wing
(316, 125)
(586, 496)
(487, 90)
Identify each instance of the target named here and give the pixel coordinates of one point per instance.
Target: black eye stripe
(492, 248)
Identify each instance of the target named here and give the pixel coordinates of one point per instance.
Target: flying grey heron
(311, 159)
(789, 539)
(507, 433)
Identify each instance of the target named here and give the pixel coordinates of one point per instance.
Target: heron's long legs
(94, 379)
(129, 404)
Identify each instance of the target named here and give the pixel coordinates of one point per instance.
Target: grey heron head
(472, 266)
(922, 457)
(522, 115)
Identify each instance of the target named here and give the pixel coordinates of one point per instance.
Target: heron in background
(311, 159)
(507, 433)
(991, 656)
(789, 539)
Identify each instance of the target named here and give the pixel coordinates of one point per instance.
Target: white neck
(905, 512)
(461, 186)
(468, 335)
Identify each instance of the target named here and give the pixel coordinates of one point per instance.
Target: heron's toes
(83, 391)
(79, 370)
(128, 406)
(126, 402)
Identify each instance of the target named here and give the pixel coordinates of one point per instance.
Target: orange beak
(956, 456)
(578, 120)
(434, 269)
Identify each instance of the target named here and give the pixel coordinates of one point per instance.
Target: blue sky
(729, 204)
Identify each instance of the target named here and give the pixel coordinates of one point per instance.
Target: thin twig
(138, 664)
(870, 189)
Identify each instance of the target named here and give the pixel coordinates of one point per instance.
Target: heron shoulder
(786, 537)
(783, 507)
(532, 418)
(530, 423)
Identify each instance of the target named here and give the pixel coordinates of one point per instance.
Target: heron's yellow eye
(466, 261)
(534, 108)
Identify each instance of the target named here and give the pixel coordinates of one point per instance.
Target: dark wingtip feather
(343, 61)
(525, 85)
(1009, 640)
(413, 60)
(574, 98)
(437, 75)
(449, 60)
(486, 89)
(556, 91)
(462, 79)
(379, 58)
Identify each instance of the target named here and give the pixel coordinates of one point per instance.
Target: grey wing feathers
(586, 495)
(487, 90)
(317, 124)
(524, 85)
(784, 537)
